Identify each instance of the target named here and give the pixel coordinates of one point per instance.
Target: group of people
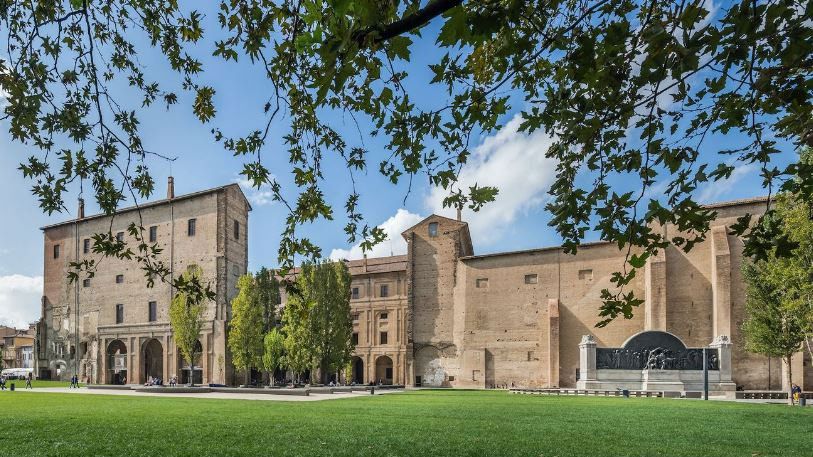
(173, 381)
(795, 394)
(28, 379)
(74, 382)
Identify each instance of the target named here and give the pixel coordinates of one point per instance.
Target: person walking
(28, 381)
(795, 393)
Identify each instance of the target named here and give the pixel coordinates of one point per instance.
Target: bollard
(625, 393)
(12, 387)
(372, 390)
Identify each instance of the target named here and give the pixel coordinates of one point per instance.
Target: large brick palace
(438, 316)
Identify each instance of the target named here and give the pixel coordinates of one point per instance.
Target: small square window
(120, 236)
(586, 275)
(531, 279)
(384, 316)
(354, 293)
(56, 251)
(86, 282)
(433, 229)
(382, 339)
(236, 230)
(355, 339)
(355, 317)
(153, 234)
(482, 283)
(119, 314)
(86, 246)
(119, 279)
(385, 290)
(191, 226)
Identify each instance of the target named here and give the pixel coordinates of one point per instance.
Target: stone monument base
(656, 380)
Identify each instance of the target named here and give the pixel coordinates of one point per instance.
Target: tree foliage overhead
(630, 91)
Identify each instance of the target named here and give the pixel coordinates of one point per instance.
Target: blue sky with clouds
(512, 161)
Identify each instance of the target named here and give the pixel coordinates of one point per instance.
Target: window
(382, 338)
(153, 234)
(120, 236)
(355, 317)
(531, 279)
(119, 313)
(190, 227)
(236, 230)
(385, 290)
(482, 283)
(56, 251)
(383, 316)
(86, 245)
(586, 275)
(86, 282)
(153, 311)
(119, 279)
(355, 339)
(355, 293)
(433, 229)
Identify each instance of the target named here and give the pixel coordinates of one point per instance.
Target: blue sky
(514, 162)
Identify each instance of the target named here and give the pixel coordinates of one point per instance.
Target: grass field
(420, 423)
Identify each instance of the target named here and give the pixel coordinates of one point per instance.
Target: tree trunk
(248, 376)
(789, 372)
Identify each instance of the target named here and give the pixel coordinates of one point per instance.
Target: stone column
(655, 292)
(587, 362)
(553, 342)
(723, 346)
(721, 281)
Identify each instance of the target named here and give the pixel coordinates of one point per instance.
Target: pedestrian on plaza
(28, 381)
(795, 393)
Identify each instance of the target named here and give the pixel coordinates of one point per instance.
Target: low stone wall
(173, 390)
(107, 387)
(263, 390)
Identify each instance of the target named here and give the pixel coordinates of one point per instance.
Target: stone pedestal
(588, 375)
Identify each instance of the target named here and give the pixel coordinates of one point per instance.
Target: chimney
(365, 262)
(81, 213)
(459, 214)
(170, 188)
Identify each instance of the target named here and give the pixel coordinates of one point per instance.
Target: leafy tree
(779, 305)
(317, 321)
(631, 91)
(246, 326)
(267, 286)
(186, 319)
(274, 348)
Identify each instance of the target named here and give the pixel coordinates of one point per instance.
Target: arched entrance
(152, 356)
(358, 370)
(383, 370)
(117, 362)
(194, 373)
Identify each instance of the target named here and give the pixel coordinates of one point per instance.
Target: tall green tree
(267, 286)
(186, 319)
(631, 91)
(246, 327)
(779, 305)
(273, 352)
(317, 320)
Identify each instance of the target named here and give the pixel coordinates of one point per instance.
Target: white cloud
(257, 197)
(713, 191)
(514, 162)
(394, 244)
(20, 299)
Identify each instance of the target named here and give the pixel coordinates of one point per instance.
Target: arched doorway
(117, 362)
(383, 370)
(152, 356)
(358, 370)
(194, 373)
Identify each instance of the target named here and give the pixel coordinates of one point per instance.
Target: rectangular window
(382, 338)
(355, 339)
(119, 313)
(531, 279)
(86, 246)
(86, 282)
(385, 290)
(119, 279)
(383, 316)
(153, 311)
(586, 275)
(190, 227)
(355, 317)
(482, 283)
(236, 230)
(433, 229)
(153, 234)
(355, 293)
(56, 251)
(120, 236)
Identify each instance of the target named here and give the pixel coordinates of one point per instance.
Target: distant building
(112, 328)
(17, 347)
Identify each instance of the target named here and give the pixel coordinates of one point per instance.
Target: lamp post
(705, 375)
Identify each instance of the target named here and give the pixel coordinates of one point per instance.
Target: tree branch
(416, 20)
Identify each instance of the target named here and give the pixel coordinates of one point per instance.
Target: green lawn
(20, 383)
(421, 423)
